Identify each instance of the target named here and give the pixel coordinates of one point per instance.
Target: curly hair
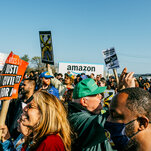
(138, 101)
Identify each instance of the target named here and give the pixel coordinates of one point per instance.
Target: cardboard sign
(110, 58)
(46, 47)
(11, 76)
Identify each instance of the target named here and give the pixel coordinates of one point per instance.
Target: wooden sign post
(116, 76)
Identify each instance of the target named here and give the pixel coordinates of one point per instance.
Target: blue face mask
(116, 134)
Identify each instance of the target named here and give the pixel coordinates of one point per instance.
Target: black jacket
(14, 113)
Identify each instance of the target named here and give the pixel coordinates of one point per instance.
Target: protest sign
(110, 58)
(108, 95)
(3, 57)
(11, 76)
(46, 47)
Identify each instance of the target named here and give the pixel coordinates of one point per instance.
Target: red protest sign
(11, 76)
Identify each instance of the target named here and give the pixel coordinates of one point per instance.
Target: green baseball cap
(86, 87)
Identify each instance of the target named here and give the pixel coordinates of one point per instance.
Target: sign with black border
(46, 47)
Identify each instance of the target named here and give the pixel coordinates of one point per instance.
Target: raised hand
(126, 80)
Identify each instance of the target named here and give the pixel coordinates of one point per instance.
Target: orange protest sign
(11, 76)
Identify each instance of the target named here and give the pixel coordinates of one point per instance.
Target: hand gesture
(129, 80)
(126, 80)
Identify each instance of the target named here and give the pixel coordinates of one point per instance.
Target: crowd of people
(66, 112)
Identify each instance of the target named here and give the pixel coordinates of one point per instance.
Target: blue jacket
(52, 90)
(8, 145)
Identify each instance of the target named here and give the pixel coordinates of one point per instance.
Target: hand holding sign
(5, 133)
(46, 47)
(111, 61)
(10, 78)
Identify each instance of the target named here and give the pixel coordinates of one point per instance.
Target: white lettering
(18, 79)
(11, 69)
(9, 80)
(4, 92)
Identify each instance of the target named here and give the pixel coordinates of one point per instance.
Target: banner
(78, 68)
(46, 47)
(11, 76)
(110, 58)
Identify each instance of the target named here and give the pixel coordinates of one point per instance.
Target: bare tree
(36, 62)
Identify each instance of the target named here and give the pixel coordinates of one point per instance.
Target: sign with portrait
(46, 47)
(110, 58)
(11, 76)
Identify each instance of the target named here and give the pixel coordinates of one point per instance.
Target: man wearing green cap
(86, 119)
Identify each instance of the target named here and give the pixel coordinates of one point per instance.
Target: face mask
(116, 134)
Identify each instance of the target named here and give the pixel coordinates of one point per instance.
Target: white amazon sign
(78, 68)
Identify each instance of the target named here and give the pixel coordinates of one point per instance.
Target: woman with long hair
(46, 117)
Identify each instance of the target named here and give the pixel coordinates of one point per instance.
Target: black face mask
(116, 134)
